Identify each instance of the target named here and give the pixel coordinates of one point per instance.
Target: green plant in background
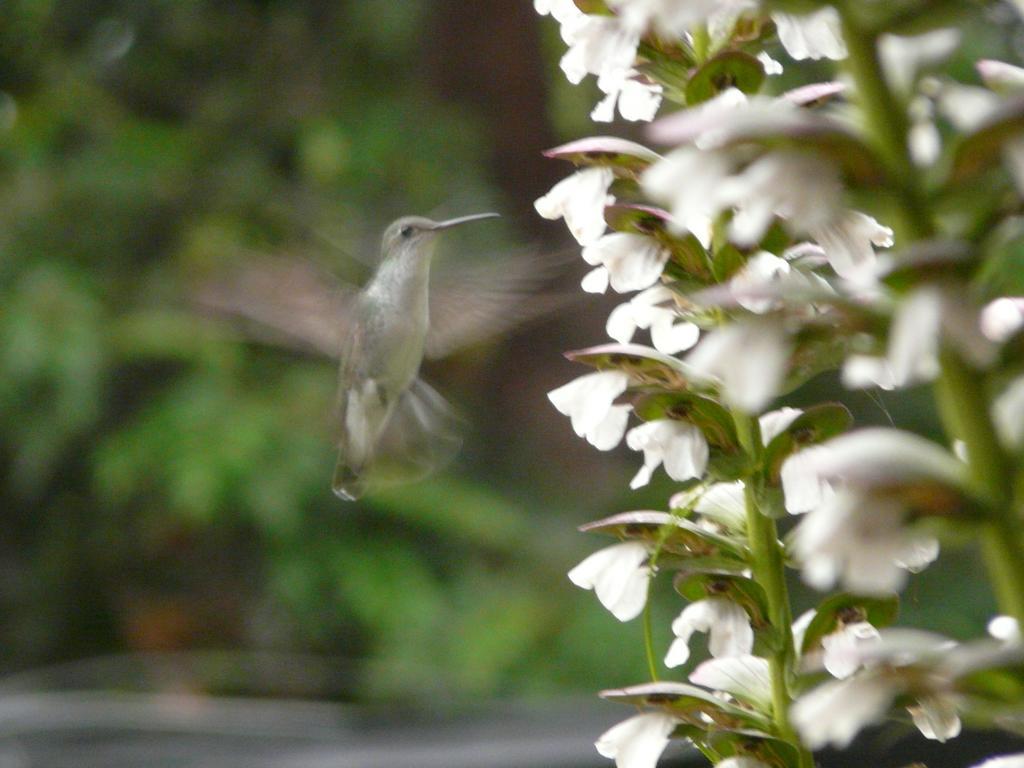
(165, 485)
(752, 248)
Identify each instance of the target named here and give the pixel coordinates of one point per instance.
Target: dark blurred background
(164, 483)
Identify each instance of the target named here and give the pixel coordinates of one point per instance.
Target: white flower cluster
(606, 46)
(861, 549)
(754, 257)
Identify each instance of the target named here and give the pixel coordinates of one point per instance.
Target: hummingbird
(390, 425)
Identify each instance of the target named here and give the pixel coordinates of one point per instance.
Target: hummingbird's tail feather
(347, 483)
(420, 435)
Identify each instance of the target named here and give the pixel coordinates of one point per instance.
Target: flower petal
(743, 677)
(639, 741)
(833, 713)
(619, 577)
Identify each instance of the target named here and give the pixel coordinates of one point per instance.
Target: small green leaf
(927, 262)
(801, 129)
(760, 746)
(690, 704)
(743, 591)
(1002, 266)
(815, 425)
(729, 69)
(727, 461)
(845, 608)
(689, 259)
(727, 262)
(625, 158)
(983, 149)
(645, 366)
(713, 419)
(674, 534)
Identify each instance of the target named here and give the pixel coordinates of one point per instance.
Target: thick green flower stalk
(766, 236)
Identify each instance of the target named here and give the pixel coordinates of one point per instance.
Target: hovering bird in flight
(391, 426)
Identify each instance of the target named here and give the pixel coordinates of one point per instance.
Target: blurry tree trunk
(487, 53)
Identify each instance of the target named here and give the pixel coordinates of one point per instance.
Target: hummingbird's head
(417, 231)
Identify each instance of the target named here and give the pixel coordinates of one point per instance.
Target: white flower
(699, 182)
(1002, 318)
(741, 762)
(1013, 155)
(619, 576)
(802, 485)
(1003, 761)
(967, 107)
(639, 741)
(563, 11)
(895, 663)
(687, 181)
(678, 444)
(834, 712)
(669, 333)
(800, 626)
(727, 625)
(595, 281)
(903, 58)
(1006, 629)
(633, 262)
(936, 718)
(922, 320)
(580, 199)
(672, 17)
(598, 45)
(744, 677)
(880, 456)
(748, 284)
(774, 423)
(923, 139)
(859, 541)
(606, 47)
(848, 242)
(638, 100)
(814, 36)
(802, 188)
(1000, 76)
(588, 402)
(771, 66)
(748, 359)
(842, 648)
(914, 338)
(1008, 414)
(863, 371)
(723, 504)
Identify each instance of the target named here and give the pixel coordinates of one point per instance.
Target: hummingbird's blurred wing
(293, 303)
(282, 301)
(471, 304)
(381, 444)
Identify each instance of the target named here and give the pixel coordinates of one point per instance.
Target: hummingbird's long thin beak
(464, 220)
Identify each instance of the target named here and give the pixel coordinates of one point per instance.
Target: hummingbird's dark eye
(406, 231)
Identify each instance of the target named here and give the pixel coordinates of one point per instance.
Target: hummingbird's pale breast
(394, 312)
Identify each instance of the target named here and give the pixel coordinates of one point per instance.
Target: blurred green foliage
(165, 485)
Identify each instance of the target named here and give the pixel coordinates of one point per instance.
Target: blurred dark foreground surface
(104, 730)
(55, 719)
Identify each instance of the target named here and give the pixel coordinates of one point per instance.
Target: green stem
(652, 665)
(964, 408)
(768, 567)
(886, 122)
(701, 41)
